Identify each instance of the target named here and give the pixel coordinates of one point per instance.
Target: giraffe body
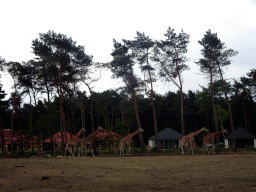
(189, 139)
(127, 142)
(72, 143)
(87, 142)
(209, 139)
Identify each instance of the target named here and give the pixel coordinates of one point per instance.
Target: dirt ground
(225, 172)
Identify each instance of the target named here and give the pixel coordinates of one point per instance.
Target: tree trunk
(73, 117)
(13, 98)
(2, 132)
(223, 136)
(182, 113)
(142, 145)
(154, 113)
(215, 114)
(62, 127)
(91, 109)
(230, 111)
(30, 124)
(181, 103)
(245, 118)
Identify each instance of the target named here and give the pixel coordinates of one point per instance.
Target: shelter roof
(167, 134)
(241, 133)
(26, 139)
(57, 138)
(8, 135)
(107, 135)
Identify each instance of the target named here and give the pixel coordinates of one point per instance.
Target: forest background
(61, 66)
(86, 23)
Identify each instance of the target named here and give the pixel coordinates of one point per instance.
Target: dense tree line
(60, 66)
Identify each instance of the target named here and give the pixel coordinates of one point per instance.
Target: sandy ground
(225, 172)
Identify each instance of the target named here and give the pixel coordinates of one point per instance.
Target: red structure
(8, 136)
(26, 140)
(107, 135)
(57, 138)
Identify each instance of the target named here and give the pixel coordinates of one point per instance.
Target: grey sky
(94, 24)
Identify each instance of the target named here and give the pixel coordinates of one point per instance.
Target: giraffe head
(140, 129)
(100, 128)
(204, 129)
(225, 131)
(83, 129)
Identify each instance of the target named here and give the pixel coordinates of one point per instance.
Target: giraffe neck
(78, 134)
(196, 133)
(217, 133)
(94, 134)
(133, 134)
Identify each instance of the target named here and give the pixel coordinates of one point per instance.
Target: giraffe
(210, 139)
(72, 143)
(88, 141)
(127, 141)
(190, 139)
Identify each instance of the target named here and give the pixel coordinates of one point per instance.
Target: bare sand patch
(225, 172)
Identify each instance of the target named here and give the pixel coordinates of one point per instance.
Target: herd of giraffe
(189, 140)
(87, 142)
(185, 142)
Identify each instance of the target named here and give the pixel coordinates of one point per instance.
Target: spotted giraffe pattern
(72, 143)
(209, 139)
(127, 142)
(189, 139)
(86, 143)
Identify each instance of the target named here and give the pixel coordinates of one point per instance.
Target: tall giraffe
(127, 141)
(210, 139)
(88, 141)
(72, 143)
(190, 139)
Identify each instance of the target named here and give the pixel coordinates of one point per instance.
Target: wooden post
(223, 137)
(163, 146)
(54, 148)
(100, 148)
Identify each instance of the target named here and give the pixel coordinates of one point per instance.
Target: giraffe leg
(66, 150)
(71, 151)
(92, 151)
(203, 146)
(78, 153)
(129, 150)
(191, 147)
(121, 148)
(207, 149)
(190, 150)
(181, 148)
(87, 150)
(82, 149)
(213, 146)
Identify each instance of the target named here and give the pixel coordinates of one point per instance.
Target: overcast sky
(94, 24)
